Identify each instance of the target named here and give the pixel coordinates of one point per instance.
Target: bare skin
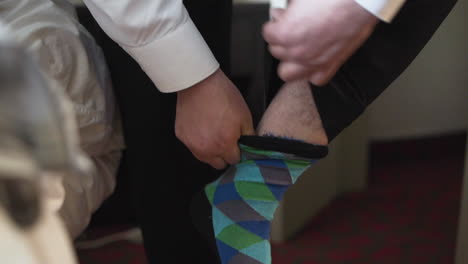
(293, 114)
(312, 39)
(211, 116)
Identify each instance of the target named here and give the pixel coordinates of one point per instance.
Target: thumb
(291, 71)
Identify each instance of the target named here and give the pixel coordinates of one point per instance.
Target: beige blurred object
(32, 139)
(345, 169)
(462, 242)
(76, 73)
(45, 243)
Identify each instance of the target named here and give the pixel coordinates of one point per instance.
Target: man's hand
(210, 118)
(313, 38)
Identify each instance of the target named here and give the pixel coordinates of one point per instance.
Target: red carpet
(408, 215)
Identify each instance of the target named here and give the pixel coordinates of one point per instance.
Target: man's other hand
(210, 118)
(313, 38)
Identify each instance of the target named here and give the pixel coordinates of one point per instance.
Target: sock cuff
(289, 146)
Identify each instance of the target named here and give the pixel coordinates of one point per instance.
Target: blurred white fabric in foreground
(75, 70)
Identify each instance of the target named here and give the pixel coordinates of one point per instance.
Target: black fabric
(289, 146)
(201, 213)
(387, 53)
(163, 173)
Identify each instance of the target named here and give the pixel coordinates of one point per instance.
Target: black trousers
(163, 174)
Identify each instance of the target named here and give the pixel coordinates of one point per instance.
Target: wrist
(361, 14)
(202, 85)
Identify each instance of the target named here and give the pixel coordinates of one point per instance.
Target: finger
(296, 53)
(232, 156)
(271, 28)
(276, 32)
(323, 77)
(270, 33)
(318, 78)
(290, 71)
(217, 163)
(213, 160)
(279, 52)
(276, 13)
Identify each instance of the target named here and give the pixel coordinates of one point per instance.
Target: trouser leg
(164, 174)
(386, 54)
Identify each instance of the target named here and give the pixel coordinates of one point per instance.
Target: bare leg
(293, 114)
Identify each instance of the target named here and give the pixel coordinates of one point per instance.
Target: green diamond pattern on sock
(254, 191)
(238, 238)
(260, 152)
(210, 190)
(245, 199)
(296, 168)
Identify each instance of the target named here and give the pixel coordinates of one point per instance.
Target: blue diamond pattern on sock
(226, 192)
(228, 252)
(277, 190)
(260, 228)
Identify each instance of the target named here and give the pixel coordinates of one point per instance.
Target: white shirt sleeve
(160, 36)
(385, 10)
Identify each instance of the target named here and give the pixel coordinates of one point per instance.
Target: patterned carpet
(408, 215)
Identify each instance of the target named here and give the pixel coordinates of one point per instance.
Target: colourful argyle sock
(244, 199)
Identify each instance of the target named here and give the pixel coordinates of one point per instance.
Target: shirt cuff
(177, 61)
(385, 10)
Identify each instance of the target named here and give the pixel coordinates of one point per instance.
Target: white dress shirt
(385, 10)
(162, 38)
